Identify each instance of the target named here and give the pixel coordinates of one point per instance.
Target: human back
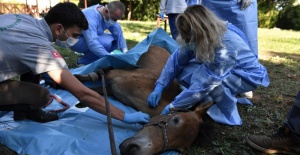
(24, 39)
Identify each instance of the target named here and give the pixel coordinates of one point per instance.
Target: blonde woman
(214, 62)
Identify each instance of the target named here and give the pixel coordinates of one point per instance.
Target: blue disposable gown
(246, 20)
(235, 70)
(94, 42)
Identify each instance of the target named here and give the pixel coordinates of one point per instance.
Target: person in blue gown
(96, 42)
(241, 13)
(213, 62)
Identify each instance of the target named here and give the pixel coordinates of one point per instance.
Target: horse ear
(203, 107)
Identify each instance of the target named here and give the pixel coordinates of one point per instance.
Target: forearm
(97, 103)
(163, 5)
(85, 95)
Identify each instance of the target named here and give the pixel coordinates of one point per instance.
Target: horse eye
(175, 120)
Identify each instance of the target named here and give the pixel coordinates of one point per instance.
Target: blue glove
(155, 96)
(162, 15)
(244, 4)
(137, 117)
(166, 110)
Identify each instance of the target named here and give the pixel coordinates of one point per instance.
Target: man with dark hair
(26, 51)
(96, 42)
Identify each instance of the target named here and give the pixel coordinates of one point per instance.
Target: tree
(268, 11)
(143, 10)
(89, 3)
(289, 18)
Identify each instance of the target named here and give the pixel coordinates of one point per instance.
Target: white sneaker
(248, 94)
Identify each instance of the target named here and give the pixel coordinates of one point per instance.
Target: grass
(279, 52)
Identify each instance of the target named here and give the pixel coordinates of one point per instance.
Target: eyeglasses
(109, 15)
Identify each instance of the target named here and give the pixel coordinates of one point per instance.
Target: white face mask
(68, 43)
(109, 22)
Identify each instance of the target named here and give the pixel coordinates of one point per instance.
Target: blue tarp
(79, 131)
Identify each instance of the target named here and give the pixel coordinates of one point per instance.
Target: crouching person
(26, 51)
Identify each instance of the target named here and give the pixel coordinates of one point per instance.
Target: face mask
(109, 22)
(190, 46)
(68, 43)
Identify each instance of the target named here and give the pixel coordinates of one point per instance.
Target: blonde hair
(199, 26)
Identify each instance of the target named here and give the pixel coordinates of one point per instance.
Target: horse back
(133, 86)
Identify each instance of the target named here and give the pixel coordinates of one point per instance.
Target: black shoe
(37, 115)
(280, 142)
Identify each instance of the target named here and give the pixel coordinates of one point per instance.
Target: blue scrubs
(235, 70)
(94, 43)
(246, 20)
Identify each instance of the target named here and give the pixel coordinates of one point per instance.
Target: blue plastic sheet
(79, 131)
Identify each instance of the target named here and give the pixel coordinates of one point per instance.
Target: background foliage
(271, 13)
(278, 52)
(268, 11)
(289, 18)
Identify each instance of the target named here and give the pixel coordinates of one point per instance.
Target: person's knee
(43, 99)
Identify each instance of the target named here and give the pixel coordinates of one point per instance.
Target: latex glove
(116, 52)
(162, 15)
(244, 4)
(137, 117)
(166, 110)
(125, 50)
(155, 96)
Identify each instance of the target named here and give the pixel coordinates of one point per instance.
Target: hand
(166, 110)
(154, 98)
(162, 15)
(137, 117)
(116, 52)
(125, 50)
(244, 4)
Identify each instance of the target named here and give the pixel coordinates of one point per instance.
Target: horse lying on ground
(175, 131)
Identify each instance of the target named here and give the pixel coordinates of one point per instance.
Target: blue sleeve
(174, 66)
(191, 2)
(91, 34)
(206, 77)
(117, 33)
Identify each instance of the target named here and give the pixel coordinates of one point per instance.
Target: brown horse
(132, 87)
(175, 131)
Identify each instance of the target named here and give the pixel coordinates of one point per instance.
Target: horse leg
(99, 90)
(82, 78)
(93, 76)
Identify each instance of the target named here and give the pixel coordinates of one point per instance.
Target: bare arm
(93, 100)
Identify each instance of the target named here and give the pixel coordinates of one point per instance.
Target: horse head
(175, 131)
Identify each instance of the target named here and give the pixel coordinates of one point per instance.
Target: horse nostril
(131, 149)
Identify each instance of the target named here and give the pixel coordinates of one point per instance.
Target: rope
(108, 113)
(66, 106)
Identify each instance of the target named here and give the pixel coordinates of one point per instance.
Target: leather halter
(163, 124)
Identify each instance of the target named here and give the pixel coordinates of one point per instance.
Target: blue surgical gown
(246, 20)
(235, 70)
(94, 42)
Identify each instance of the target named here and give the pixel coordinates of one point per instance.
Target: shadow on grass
(131, 43)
